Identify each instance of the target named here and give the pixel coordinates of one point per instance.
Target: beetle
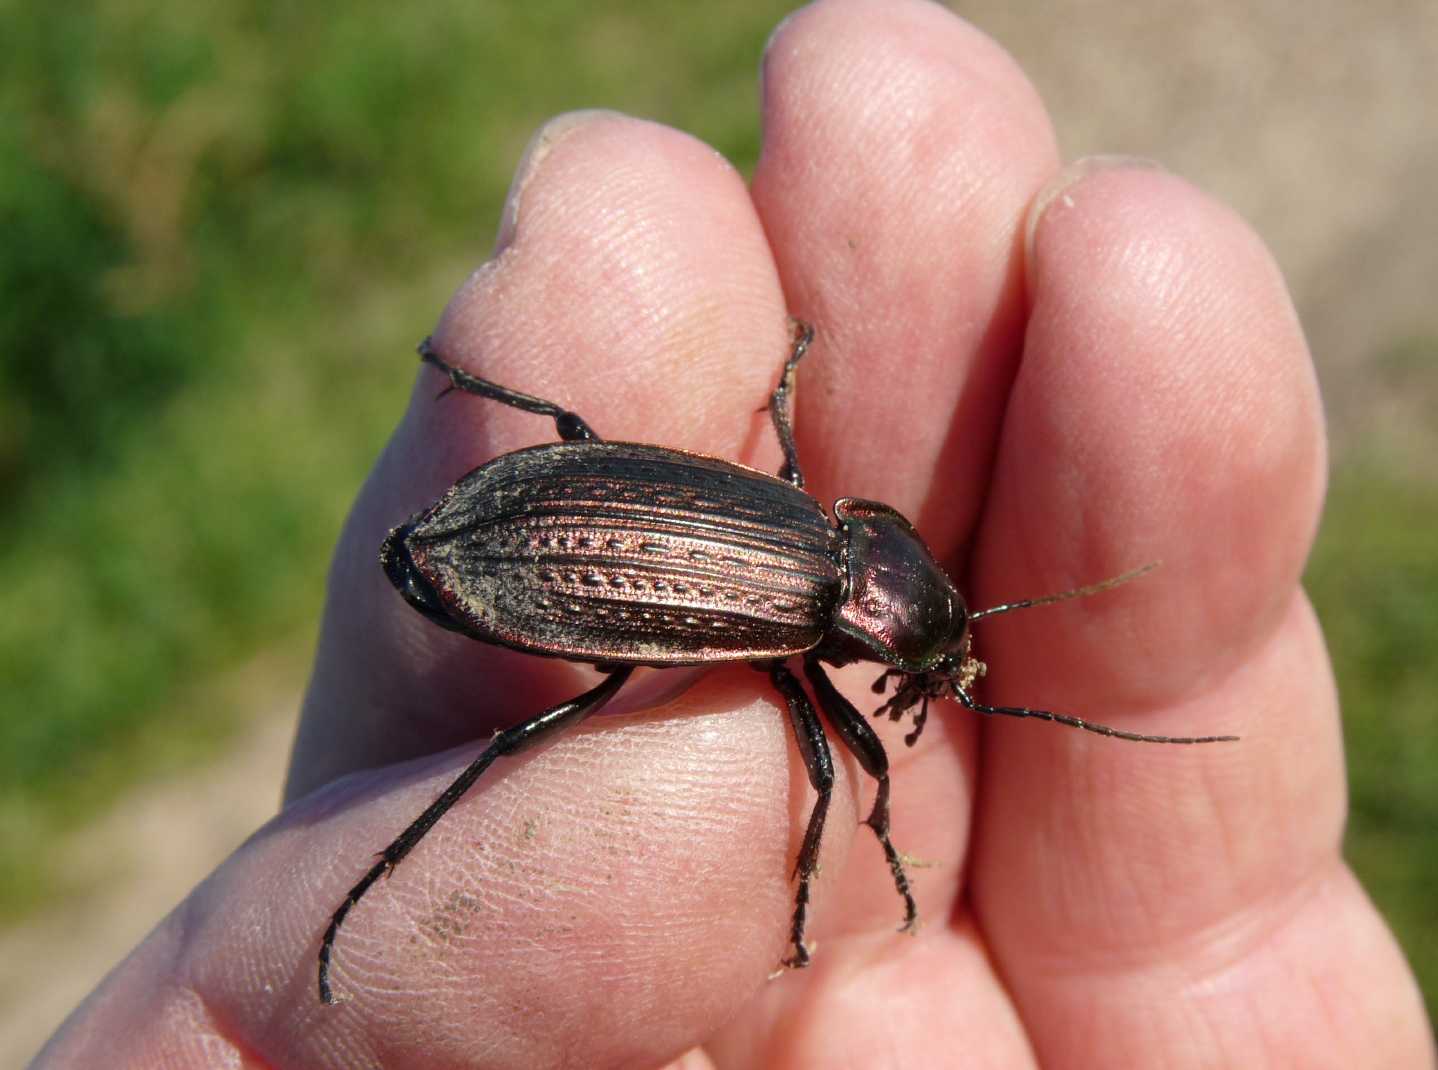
(623, 555)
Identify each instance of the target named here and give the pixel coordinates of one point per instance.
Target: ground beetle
(623, 554)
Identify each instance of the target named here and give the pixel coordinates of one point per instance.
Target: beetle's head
(952, 676)
(955, 671)
(411, 582)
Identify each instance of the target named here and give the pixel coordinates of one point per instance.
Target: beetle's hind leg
(511, 741)
(781, 405)
(814, 748)
(865, 745)
(570, 425)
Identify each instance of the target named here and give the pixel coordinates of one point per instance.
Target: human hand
(1131, 384)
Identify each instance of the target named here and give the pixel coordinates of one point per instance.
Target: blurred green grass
(224, 226)
(1373, 578)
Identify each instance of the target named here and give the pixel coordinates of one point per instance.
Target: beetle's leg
(781, 405)
(510, 741)
(920, 719)
(571, 426)
(865, 745)
(814, 748)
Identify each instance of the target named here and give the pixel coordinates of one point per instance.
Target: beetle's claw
(800, 959)
(882, 682)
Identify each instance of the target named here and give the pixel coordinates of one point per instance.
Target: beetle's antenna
(1064, 596)
(1078, 722)
(960, 689)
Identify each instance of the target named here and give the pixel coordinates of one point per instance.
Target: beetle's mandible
(623, 555)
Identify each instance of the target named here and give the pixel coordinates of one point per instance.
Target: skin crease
(1133, 387)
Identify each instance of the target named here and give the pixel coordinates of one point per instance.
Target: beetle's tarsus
(781, 404)
(568, 425)
(800, 959)
(881, 685)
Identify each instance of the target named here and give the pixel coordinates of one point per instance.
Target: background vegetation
(222, 227)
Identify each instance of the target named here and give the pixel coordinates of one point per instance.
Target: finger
(933, 1001)
(631, 284)
(901, 148)
(607, 901)
(1144, 900)
(900, 151)
(663, 225)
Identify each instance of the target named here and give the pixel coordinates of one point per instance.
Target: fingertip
(634, 287)
(1166, 407)
(541, 144)
(1056, 190)
(901, 147)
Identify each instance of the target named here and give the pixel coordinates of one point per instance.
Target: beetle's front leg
(814, 748)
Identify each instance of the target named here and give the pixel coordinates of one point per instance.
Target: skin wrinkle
(221, 1031)
(895, 1018)
(1285, 918)
(1234, 946)
(1132, 794)
(1212, 953)
(1323, 998)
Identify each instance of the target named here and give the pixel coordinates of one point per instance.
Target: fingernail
(1057, 191)
(540, 145)
(460, 325)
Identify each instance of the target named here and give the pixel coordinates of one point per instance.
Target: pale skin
(1125, 381)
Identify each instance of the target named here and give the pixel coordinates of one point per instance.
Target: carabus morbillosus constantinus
(623, 555)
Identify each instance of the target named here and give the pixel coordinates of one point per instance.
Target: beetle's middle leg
(866, 746)
(510, 741)
(814, 748)
(570, 425)
(781, 405)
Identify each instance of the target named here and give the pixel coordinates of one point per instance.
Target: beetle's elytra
(624, 554)
(616, 552)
